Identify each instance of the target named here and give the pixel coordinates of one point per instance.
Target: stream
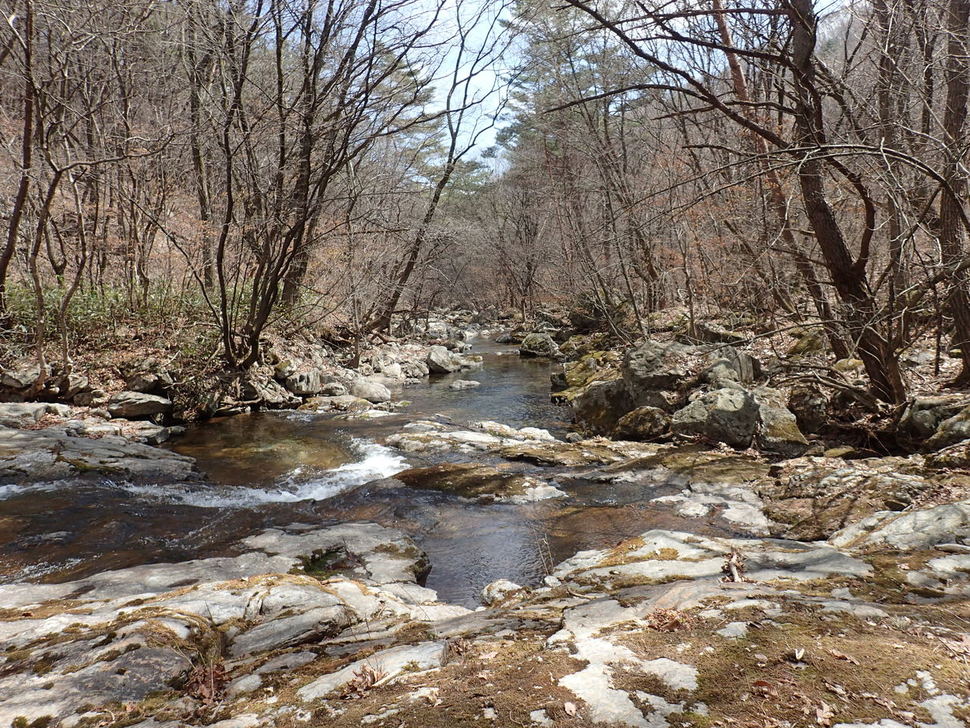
(277, 468)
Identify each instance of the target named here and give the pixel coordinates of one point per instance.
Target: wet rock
(461, 384)
(643, 424)
(539, 345)
(442, 361)
(137, 405)
(51, 454)
(471, 480)
(724, 415)
(370, 390)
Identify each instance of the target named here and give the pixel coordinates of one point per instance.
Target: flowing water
(278, 468)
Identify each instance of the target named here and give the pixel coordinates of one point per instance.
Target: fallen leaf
(842, 656)
(824, 714)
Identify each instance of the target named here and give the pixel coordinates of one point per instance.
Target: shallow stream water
(278, 468)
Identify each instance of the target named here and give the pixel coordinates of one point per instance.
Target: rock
(94, 398)
(479, 481)
(910, 531)
(777, 428)
(372, 391)
(137, 405)
(724, 415)
(304, 384)
(259, 388)
(923, 416)
(539, 345)
(642, 424)
(600, 405)
(52, 454)
(21, 414)
(388, 663)
(810, 407)
(654, 366)
(73, 385)
(20, 378)
(713, 333)
(955, 457)
(442, 361)
(498, 591)
(951, 430)
(811, 342)
(149, 383)
(460, 384)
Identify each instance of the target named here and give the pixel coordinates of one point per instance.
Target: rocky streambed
(455, 564)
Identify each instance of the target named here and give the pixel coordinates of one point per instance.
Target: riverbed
(277, 468)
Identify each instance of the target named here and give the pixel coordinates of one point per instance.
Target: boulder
(713, 333)
(655, 366)
(263, 390)
(539, 345)
(923, 415)
(726, 415)
(305, 384)
(149, 383)
(442, 361)
(93, 398)
(642, 424)
(138, 405)
(74, 384)
(372, 391)
(951, 430)
(778, 428)
(810, 407)
(20, 414)
(600, 405)
(20, 378)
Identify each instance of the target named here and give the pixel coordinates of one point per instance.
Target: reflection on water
(278, 468)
